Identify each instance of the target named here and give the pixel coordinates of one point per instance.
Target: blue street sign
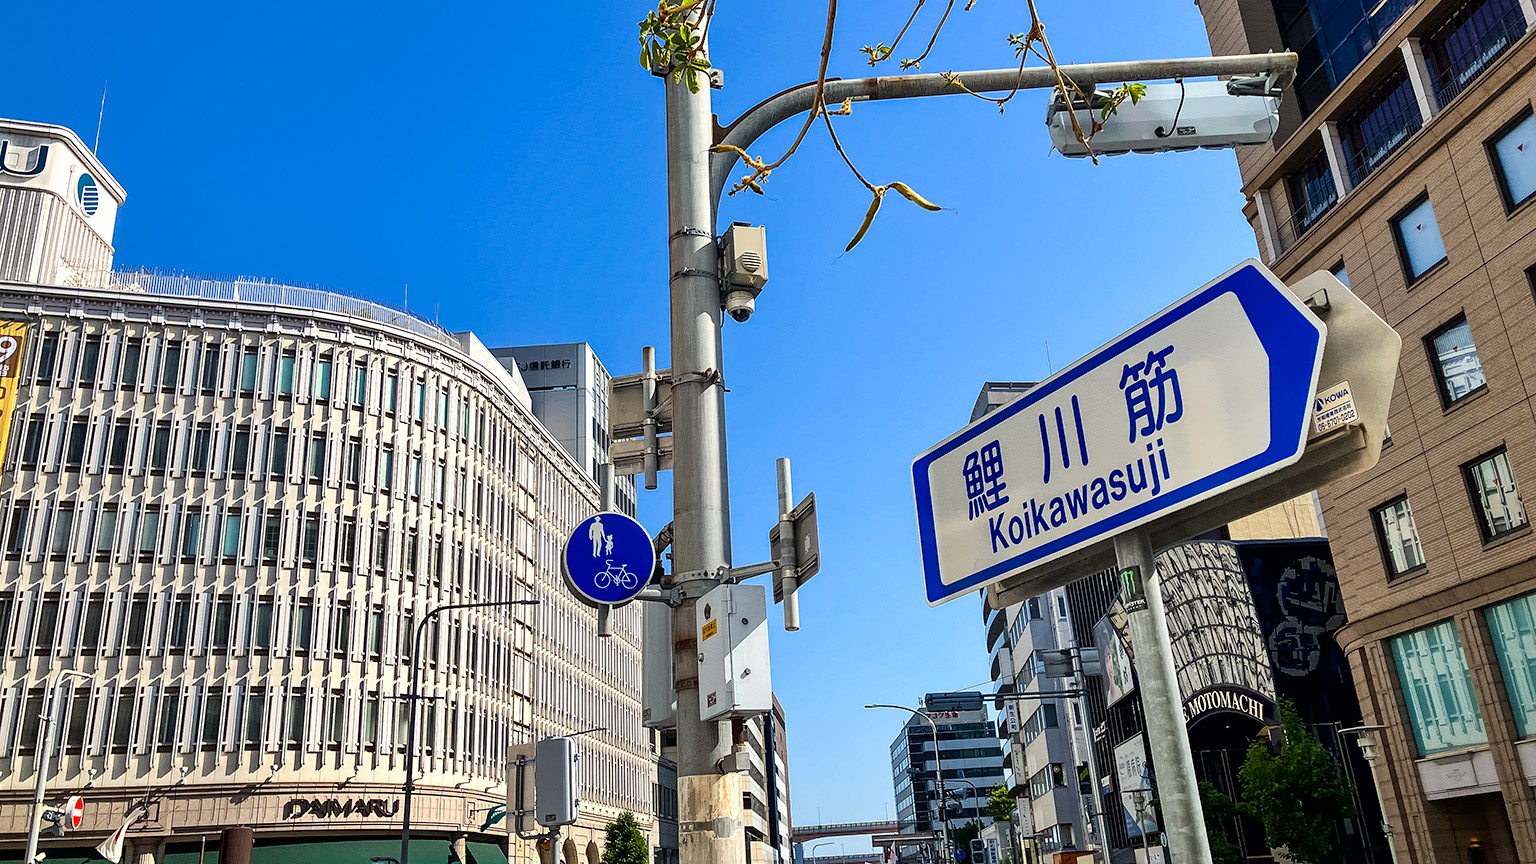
(1209, 394)
(608, 559)
(959, 854)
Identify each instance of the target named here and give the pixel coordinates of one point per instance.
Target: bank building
(225, 504)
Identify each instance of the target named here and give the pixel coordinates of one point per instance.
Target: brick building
(1406, 164)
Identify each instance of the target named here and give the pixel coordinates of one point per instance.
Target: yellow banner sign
(13, 335)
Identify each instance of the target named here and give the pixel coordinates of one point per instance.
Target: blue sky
(508, 166)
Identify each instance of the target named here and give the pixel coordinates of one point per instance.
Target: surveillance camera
(744, 265)
(739, 303)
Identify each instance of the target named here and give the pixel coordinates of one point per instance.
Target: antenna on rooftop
(99, 116)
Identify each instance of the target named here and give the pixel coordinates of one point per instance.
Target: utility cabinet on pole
(733, 652)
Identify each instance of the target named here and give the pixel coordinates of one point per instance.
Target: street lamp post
(413, 698)
(44, 747)
(938, 774)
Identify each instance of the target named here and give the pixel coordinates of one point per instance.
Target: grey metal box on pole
(733, 652)
(658, 701)
(556, 782)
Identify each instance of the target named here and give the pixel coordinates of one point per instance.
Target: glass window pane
(323, 380)
(1461, 371)
(285, 375)
(232, 535)
(1419, 235)
(1437, 689)
(1516, 153)
(1400, 537)
(1513, 626)
(1500, 509)
(248, 370)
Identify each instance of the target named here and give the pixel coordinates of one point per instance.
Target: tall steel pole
(710, 825)
(44, 745)
(938, 776)
(1167, 738)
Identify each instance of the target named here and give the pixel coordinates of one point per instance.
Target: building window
(317, 458)
(106, 531)
(295, 736)
(171, 374)
(323, 380)
(131, 351)
(285, 373)
(1495, 497)
(149, 533)
(1514, 161)
(191, 533)
(90, 360)
(271, 534)
(202, 444)
(1513, 627)
(1418, 239)
(231, 544)
(211, 368)
(46, 354)
(160, 447)
(1457, 367)
(1437, 689)
(240, 452)
(1340, 273)
(311, 538)
(359, 386)
(1399, 538)
(279, 466)
(248, 363)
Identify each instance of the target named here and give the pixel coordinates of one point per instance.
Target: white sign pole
(1167, 738)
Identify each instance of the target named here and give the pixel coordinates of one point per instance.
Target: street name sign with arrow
(1190, 406)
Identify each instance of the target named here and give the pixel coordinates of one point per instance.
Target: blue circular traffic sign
(608, 559)
(959, 854)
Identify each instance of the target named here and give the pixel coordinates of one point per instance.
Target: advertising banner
(13, 336)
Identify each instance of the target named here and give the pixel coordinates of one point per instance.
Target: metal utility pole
(44, 750)
(709, 796)
(1183, 820)
(709, 801)
(938, 777)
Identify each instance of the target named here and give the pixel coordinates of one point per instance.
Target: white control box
(732, 629)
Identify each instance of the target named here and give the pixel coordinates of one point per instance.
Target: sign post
(1198, 416)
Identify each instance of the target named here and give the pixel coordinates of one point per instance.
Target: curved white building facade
(229, 504)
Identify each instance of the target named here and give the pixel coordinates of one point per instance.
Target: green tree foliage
(1220, 813)
(624, 843)
(1298, 795)
(1000, 804)
(961, 837)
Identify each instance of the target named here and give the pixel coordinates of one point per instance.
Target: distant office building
(1046, 738)
(569, 389)
(230, 504)
(972, 761)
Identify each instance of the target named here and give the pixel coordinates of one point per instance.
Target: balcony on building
(1382, 123)
(1311, 192)
(1469, 41)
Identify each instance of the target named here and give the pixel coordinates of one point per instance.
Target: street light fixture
(44, 747)
(938, 773)
(410, 729)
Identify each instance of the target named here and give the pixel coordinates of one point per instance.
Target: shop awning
(485, 853)
(349, 851)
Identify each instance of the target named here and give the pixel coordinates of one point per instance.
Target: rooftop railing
(245, 289)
